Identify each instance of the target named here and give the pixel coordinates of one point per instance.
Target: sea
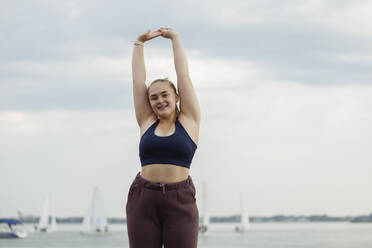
(258, 235)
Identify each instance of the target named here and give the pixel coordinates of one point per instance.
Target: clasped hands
(168, 33)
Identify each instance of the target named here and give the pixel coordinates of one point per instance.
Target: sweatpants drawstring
(162, 185)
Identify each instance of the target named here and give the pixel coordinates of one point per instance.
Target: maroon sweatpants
(159, 213)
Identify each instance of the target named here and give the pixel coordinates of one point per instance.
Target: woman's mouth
(162, 107)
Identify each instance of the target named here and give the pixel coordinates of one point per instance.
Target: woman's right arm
(141, 103)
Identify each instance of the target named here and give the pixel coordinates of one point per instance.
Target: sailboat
(205, 223)
(244, 217)
(44, 225)
(11, 228)
(95, 222)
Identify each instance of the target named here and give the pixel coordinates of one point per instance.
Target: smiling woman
(161, 200)
(166, 94)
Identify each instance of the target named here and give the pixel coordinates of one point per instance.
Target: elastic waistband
(139, 180)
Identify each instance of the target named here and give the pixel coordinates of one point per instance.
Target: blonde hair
(172, 86)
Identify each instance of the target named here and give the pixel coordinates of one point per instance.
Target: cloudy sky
(284, 87)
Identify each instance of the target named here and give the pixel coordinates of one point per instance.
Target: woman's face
(162, 99)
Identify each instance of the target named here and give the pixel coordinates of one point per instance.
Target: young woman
(161, 206)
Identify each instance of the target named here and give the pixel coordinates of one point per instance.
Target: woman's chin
(165, 114)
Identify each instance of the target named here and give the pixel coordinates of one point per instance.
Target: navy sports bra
(177, 148)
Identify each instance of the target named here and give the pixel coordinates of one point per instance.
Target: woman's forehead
(158, 88)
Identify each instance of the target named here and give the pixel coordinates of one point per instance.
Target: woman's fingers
(148, 35)
(154, 34)
(167, 32)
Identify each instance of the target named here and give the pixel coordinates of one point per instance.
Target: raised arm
(189, 104)
(141, 103)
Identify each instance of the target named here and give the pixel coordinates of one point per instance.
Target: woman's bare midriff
(166, 173)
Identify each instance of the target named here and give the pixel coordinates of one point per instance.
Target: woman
(161, 207)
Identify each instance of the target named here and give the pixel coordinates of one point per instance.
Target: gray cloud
(286, 37)
(38, 97)
(303, 43)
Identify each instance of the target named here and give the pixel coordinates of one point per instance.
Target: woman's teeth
(162, 107)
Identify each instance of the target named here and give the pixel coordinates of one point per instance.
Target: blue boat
(11, 228)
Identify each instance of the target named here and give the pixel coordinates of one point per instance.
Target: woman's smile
(162, 107)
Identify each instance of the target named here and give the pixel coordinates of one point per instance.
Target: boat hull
(13, 235)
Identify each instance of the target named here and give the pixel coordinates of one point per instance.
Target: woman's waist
(167, 173)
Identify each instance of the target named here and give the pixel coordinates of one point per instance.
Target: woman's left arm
(189, 104)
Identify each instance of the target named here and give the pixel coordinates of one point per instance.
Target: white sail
(87, 218)
(244, 213)
(205, 203)
(95, 220)
(244, 217)
(53, 224)
(44, 225)
(245, 221)
(206, 219)
(205, 209)
(44, 218)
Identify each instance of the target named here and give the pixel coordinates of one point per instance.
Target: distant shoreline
(229, 219)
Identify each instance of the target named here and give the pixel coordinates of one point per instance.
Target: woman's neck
(169, 119)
